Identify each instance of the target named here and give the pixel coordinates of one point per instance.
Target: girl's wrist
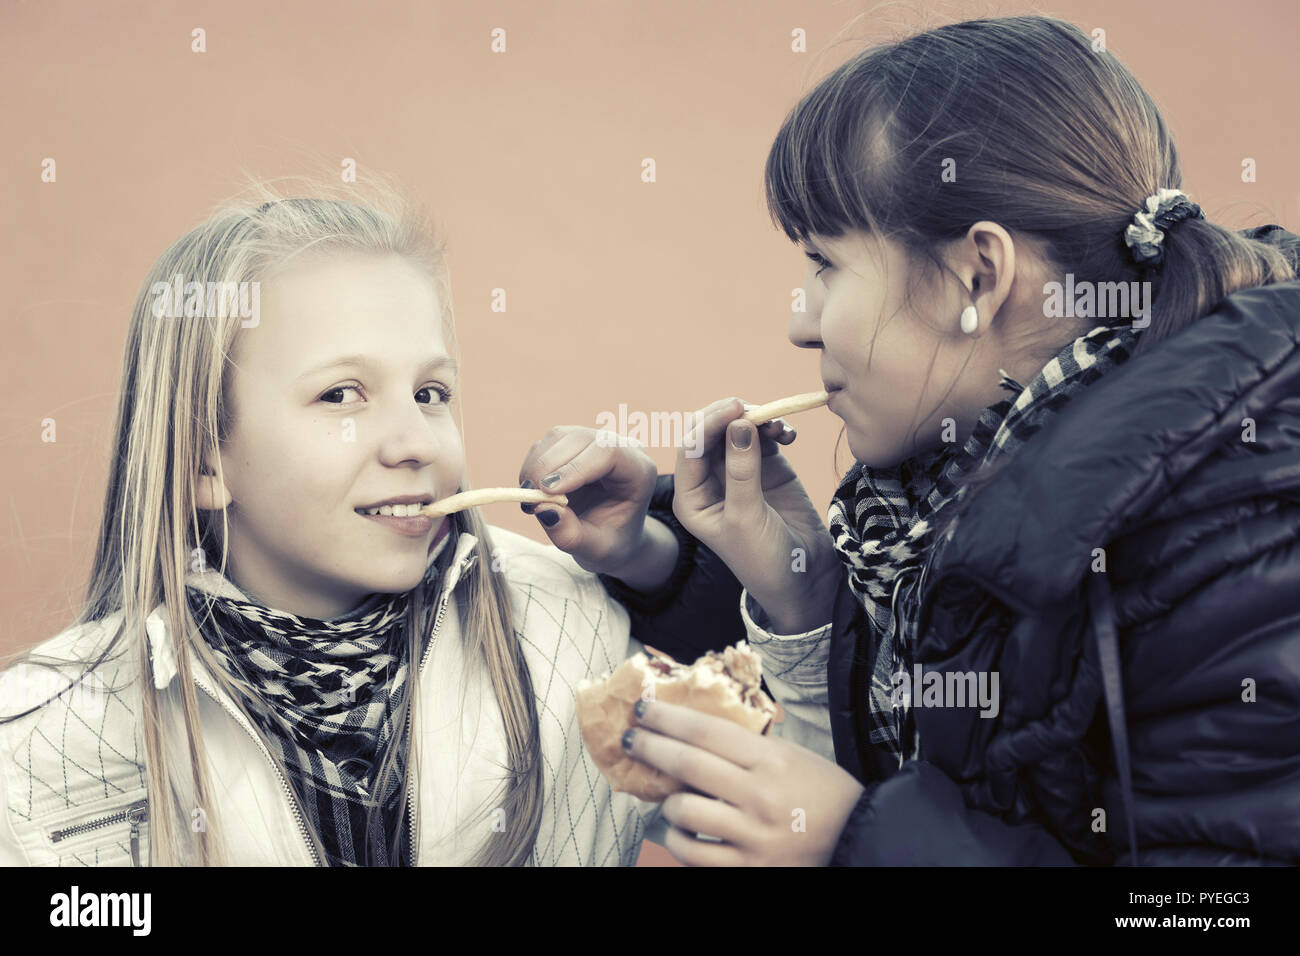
(798, 622)
(650, 563)
(806, 611)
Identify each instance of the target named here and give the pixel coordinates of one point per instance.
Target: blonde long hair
(173, 411)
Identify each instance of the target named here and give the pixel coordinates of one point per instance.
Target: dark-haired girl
(1055, 617)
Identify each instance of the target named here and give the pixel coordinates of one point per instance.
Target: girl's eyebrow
(365, 361)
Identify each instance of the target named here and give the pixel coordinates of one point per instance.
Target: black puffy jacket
(1133, 576)
(1181, 634)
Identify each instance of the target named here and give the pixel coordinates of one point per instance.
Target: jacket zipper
(293, 800)
(137, 813)
(410, 781)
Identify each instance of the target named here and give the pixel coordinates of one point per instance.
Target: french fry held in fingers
(488, 496)
(786, 406)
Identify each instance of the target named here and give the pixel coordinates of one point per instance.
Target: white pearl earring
(970, 319)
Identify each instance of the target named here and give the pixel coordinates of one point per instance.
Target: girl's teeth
(396, 511)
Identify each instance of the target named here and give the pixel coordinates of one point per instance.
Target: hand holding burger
(725, 684)
(762, 800)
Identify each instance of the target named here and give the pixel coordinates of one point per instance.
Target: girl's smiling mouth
(399, 505)
(398, 511)
(401, 514)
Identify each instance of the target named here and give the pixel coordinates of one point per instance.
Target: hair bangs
(825, 158)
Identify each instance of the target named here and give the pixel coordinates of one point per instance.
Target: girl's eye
(443, 393)
(819, 259)
(340, 388)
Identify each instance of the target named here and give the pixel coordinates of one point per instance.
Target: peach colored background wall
(663, 295)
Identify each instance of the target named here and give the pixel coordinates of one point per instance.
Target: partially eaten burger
(725, 684)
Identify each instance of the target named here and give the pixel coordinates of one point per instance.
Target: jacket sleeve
(918, 818)
(795, 671)
(697, 610)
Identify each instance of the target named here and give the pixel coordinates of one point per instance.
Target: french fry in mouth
(488, 496)
(761, 414)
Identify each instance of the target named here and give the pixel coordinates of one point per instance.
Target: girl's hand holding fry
(609, 487)
(748, 506)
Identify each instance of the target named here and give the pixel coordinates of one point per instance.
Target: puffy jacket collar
(160, 647)
(1124, 444)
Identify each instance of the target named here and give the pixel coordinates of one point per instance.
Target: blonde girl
(273, 665)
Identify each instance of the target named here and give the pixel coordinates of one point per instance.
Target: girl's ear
(211, 494)
(986, 262)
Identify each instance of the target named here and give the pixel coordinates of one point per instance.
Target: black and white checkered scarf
(328, 691)
(881, 518)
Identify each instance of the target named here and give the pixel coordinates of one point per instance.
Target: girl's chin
(872, 454)
(394, 583)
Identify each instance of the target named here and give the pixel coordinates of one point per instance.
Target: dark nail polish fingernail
(639, 709)
(627, 738)
(739, 437)
(551, 479)
(548, 517)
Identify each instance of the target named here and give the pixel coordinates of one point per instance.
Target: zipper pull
(138, 813)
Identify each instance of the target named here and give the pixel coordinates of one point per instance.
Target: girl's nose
(805, 316)
(408, 436)
(805, 330)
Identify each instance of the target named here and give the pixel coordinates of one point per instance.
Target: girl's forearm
(652, 561)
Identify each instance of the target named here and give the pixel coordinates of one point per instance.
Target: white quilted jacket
(72, 782)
